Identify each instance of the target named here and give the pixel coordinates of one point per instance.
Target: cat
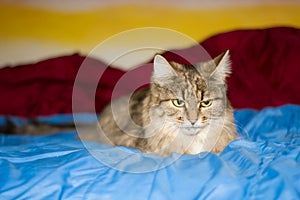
(185, 110)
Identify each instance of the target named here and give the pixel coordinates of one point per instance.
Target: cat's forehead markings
(194, 81)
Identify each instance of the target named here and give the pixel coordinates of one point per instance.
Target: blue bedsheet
(263, 164)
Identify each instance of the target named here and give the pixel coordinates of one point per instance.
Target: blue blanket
(263, 164)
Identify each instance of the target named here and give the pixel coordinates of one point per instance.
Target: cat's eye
(178, 102)
(206, 103)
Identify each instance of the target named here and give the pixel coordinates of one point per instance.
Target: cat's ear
(162, 68)
(222, 66)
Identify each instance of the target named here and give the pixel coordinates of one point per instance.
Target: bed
(263, 163)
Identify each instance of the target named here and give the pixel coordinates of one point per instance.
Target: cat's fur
(153, 121)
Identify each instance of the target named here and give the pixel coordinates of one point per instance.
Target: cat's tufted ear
(222, 66)
(162, 68)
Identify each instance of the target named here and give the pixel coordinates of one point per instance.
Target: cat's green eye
(206, 103)
(177, 102)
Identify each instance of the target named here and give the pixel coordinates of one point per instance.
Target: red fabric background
(266, 72)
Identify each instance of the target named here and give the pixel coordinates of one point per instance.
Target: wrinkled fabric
(265, 72)
(263, 164)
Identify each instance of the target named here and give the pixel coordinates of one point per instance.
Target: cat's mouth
(191, 130)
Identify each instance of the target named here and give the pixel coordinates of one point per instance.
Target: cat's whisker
(237, 125)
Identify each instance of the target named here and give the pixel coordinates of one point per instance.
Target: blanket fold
(263, 163)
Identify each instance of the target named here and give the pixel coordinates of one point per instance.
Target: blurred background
(33, 30)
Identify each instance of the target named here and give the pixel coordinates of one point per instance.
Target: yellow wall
(29, 34)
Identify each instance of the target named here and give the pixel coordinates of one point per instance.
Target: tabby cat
(185, 110)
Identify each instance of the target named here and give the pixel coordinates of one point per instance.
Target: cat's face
(190, 98)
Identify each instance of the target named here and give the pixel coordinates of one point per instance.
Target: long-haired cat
(185, 110)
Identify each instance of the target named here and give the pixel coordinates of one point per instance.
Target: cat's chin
(190, 131)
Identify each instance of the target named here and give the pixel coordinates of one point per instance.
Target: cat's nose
(193, 122)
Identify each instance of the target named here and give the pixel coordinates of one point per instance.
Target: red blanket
(265, 66)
